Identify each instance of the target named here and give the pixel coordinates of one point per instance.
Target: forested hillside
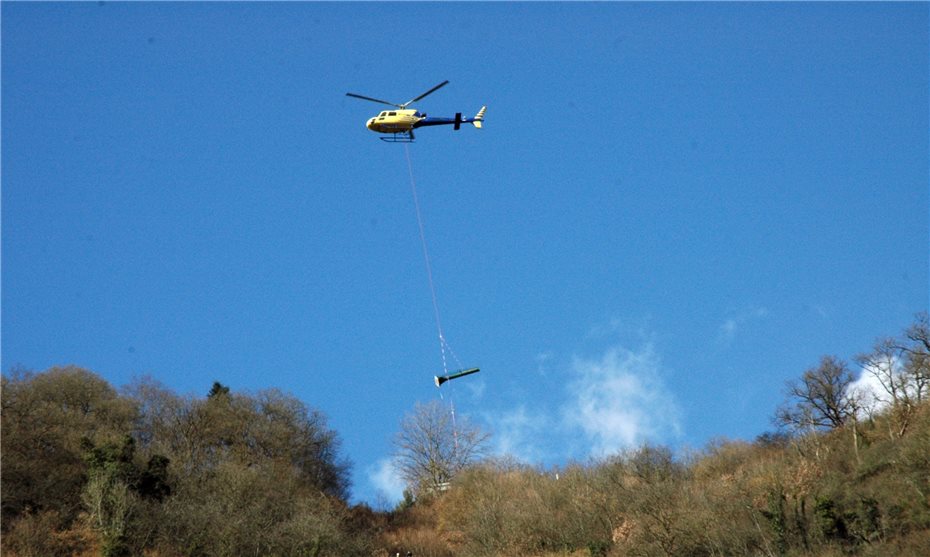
(89, 470)
(774, 496)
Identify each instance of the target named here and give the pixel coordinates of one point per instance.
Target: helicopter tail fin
(479, 117)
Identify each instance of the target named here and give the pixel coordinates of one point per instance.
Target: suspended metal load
(440, 380)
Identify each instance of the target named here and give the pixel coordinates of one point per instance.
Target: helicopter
(401, 123)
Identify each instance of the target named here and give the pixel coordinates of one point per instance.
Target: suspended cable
(443, 345)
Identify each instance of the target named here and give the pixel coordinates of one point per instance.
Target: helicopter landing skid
(403, 137)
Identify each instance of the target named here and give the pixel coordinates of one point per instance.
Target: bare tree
(821, 399)
(901, 366)
(432, 447)
(45, 416)
(917, 355)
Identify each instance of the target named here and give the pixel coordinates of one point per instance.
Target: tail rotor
(479, 117)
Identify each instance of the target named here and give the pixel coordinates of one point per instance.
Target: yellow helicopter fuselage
(394, 121)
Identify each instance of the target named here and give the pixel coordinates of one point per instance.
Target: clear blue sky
(672, 208)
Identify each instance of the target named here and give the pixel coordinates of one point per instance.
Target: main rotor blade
(374, 100)
(424, 94)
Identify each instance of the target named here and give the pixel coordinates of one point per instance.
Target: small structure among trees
(431, 447)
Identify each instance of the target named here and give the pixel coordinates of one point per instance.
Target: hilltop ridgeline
(89, 470)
